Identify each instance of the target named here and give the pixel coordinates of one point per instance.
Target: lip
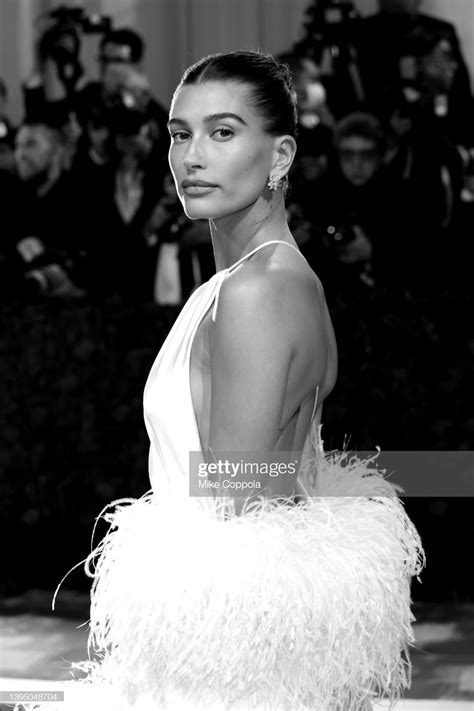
(197, 188)
(197, 184)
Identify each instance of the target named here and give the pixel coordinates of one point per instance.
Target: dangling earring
(275, 182)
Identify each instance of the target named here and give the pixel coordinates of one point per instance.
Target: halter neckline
(252, 251)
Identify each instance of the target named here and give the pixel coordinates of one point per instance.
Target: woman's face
(220, 155)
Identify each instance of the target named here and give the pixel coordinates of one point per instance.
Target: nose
(194, 156)
(355, 161)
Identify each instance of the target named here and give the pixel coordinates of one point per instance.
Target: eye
(222, 134)
(179, 136)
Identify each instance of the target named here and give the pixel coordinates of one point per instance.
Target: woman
(292, 599)
(251, 388)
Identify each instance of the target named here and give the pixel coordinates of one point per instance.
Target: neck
(236, 235)
(129, 164)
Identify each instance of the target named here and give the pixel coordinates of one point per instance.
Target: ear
(283, 155)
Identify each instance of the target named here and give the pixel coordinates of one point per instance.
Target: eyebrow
(211, 118)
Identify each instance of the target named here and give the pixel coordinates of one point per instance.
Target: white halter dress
(284, 608)
(168, 406)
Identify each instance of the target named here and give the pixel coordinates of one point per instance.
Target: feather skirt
(288, 607)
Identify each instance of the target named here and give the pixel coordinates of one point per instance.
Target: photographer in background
(429, 156)
(43, 250)
(121, 250)
(122, 79)
(315, 124)
(185, 258)
(330, 38)
(59, 74)
(95, 148)
(387, 50)
(313, 112)
(351, 214)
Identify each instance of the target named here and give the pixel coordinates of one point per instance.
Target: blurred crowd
(382, 190)
(381, 203)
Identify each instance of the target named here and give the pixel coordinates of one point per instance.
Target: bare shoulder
(277, 289)
(249, 310)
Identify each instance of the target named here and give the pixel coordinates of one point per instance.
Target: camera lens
(45, 280)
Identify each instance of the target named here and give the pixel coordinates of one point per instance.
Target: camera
(127, 109)
(47, 272)
(331, 30)
(337, 11)
(61, 40)
(52, 280)
(327, 20)
(47, 280)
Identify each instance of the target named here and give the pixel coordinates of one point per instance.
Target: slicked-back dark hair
(270, 87)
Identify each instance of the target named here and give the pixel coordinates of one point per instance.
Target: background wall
(178, 32)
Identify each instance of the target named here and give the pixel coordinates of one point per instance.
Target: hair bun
(286, 75)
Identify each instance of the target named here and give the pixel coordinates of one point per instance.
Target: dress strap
(315, 406)
(241, 260)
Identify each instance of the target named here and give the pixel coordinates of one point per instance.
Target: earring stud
(275, 181)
